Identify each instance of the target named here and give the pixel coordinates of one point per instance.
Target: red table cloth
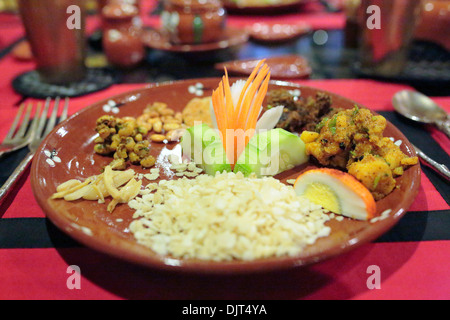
(412, 269)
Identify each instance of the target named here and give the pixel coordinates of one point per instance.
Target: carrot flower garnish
(236, 109)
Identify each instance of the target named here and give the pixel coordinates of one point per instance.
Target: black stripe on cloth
(420, 226)
(32, 233)
(41, 233)
(8, 49)
(419, 136)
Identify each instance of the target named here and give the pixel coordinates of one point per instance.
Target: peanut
(160, 106)
(171, 126)
(157, 137)
(154, 120)
(153, 114)
(166, 112)
(175, 135)
(172, 120)
(157, 127)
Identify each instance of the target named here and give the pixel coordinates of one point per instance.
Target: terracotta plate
(281, 67)
(277, 32)
(156, 39)
(67, 152)
(263, 8)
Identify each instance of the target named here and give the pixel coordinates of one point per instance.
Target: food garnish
(271, 152)
(241, 114)
(338, 192)
(236, 112)
(206, 149)
(99, 187)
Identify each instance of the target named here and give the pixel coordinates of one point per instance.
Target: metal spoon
(438, 167)
(418, 107)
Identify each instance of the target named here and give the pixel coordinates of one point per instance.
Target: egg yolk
(323, 195)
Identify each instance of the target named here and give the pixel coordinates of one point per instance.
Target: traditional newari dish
(353, 140)
(201, 219)
(337, 192)
(301, 113)
(224, 201)
(102, 186)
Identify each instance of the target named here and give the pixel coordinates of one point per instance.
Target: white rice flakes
(226, 217)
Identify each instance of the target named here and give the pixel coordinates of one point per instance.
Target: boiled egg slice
(336, 191)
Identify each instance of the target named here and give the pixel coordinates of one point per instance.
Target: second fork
(41, 128)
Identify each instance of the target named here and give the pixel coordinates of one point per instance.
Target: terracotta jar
(102, 3)
(435, 22)
(193, 21)
(122, 32)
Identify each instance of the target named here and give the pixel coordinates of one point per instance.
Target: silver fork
(15, 140)
(40, 129)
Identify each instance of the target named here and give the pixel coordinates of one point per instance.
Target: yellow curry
(353, 140)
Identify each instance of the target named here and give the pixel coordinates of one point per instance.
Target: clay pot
(435, 22)
(193, 21)
(102, 3)
(122, 32)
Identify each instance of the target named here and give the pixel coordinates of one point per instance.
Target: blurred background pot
(122, 32)
(384, 49)
(59, 51)
(193, 21)
(434, 25)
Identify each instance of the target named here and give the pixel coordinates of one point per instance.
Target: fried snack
(162, 122)
(98, 187)
(198, 109)
(124, 139)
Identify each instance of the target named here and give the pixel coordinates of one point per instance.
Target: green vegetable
(332, 125)
(271, 152)
(375, 182)
(204, 146)
(321, 124)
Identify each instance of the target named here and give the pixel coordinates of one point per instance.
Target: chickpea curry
(353, 140)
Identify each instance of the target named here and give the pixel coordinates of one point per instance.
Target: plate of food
(225, 175)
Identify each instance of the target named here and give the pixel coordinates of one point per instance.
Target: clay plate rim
(135, 253)
(262, 9)
(232, 37)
